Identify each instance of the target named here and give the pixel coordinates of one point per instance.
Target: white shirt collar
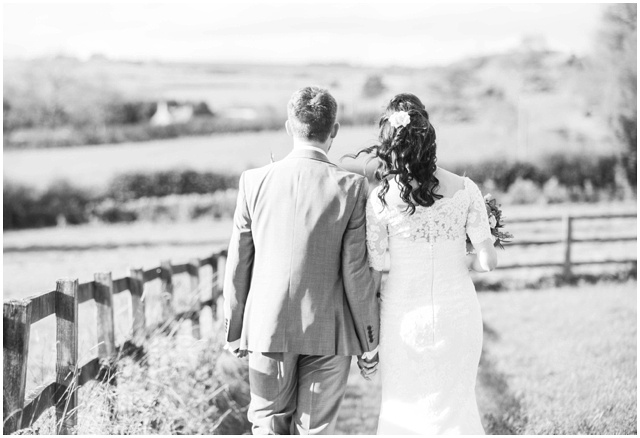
(309, 147)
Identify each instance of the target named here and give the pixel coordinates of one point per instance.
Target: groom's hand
(368, 367)
(234, 348)
(240, 353)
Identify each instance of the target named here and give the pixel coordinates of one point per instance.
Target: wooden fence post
(166, 281)
(193, 268)
(66, 355)
(103, 297)
(136, 288)
(214, 285)
(15, 349)
(567, 225)
(221, 264)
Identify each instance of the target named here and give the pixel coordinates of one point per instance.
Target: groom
(298, 294)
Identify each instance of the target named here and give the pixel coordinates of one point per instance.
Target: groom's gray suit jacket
(297, 278)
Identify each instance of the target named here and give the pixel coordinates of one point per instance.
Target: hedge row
(23, 207)
(172, 208)
(570, 171)
(172, 182)
(163, 195)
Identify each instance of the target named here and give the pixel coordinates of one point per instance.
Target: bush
(373, 87)
(23, 207)
(19, 204)
(502, 173)
(523, 191)
(129, 113)
(172, 182)
(556, 193)
(172, 208)
(583, 176)
(577, 170)
(112, 211)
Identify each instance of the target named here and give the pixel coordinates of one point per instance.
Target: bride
(431, 327)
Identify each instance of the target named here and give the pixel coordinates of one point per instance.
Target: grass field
(94, 166)
(567, 357)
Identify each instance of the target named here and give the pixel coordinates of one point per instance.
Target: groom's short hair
(312, 113)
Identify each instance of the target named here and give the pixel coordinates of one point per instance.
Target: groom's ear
(335, 129)
(287, 126)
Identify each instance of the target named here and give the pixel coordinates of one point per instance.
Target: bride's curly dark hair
(408, 152)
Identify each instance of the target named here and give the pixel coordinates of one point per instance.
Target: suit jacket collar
(310, 154)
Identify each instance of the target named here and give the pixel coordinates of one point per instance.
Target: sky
(415, 34)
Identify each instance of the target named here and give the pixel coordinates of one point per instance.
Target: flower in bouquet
(496, 223)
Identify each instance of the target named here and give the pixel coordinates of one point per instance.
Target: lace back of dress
(444, 220)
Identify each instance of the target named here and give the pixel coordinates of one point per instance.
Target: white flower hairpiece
(399, 118)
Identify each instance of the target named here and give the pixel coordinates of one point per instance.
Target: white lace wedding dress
(431, 327)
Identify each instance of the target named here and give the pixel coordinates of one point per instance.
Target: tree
(373, 87)
(617, 53)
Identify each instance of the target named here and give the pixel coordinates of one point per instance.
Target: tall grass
(171, 384)
(175, 385)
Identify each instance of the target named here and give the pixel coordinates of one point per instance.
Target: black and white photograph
(319, 218)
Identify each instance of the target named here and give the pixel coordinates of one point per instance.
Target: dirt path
(361, 405)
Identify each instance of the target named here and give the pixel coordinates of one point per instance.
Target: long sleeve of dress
(377, 237)
(477, 224)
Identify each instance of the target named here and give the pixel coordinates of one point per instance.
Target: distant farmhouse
(169, 114)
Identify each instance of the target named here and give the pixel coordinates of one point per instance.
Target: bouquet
(495, 222)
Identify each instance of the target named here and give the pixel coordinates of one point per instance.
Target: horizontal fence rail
(63, 302)
(526, 220)
(568, 240)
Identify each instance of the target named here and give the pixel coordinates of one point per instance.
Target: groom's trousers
(294, 394)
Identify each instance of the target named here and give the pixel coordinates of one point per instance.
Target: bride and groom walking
(302, 285)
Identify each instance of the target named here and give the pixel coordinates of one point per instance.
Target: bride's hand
(469, 259)
(240, 353)
(485, 258)
(369, 367)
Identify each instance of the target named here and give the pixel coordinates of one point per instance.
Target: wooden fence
(568, 240)
(63, 302)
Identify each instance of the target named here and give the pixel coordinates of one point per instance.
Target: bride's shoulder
(373, 191)
(392, 189)
(391, 200)
(373, 194)
(451, 181)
